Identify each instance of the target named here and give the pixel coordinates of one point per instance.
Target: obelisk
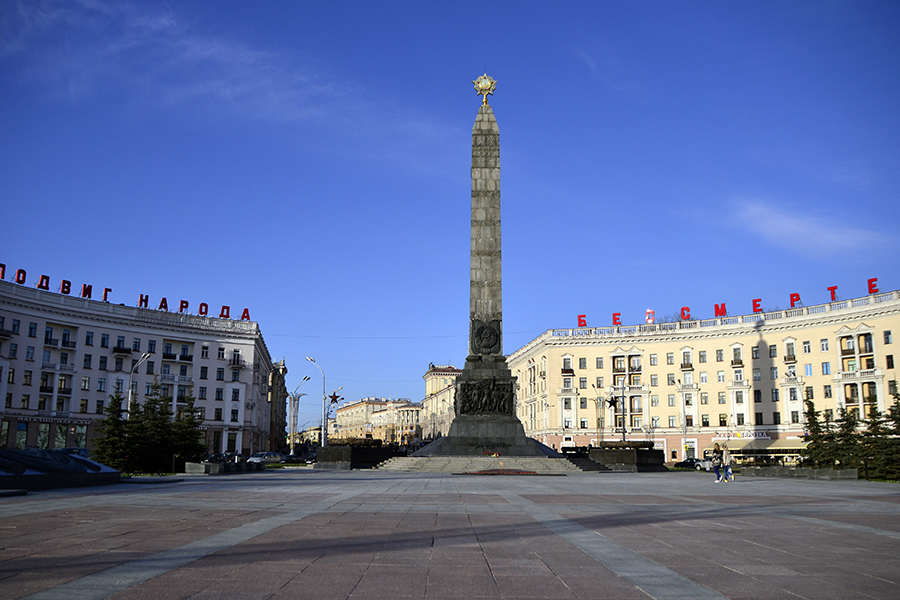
(485, 421)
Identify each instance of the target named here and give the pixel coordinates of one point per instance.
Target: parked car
(694, 463)
(225, 457)
(267, 457)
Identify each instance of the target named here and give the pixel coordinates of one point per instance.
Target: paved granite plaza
(363, 534)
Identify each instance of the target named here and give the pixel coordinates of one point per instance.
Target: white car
(266, 457)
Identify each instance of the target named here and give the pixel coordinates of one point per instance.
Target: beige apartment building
(392, 421)
(438, 409)
(685, 385)
(61, 357)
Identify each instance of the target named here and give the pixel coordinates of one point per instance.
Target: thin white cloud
(87, 49)
(805, 232)
(610, 70)
(149, 57)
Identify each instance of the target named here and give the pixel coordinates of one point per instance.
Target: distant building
(61, 357)
(392, 421)
(277, 399)
(688, 384)
(437, 406)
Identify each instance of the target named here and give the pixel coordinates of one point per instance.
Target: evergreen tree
(815, 453)
(188, 442)
(111, 447)
(150, 430)
(847, 450)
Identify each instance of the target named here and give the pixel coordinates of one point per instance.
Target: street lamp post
(140, 361)
(324, 442)
(683, 421)
(294, 406)
(599, 415)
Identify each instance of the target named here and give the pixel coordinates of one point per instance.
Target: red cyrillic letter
(203, 310)
(756, 303)
(163, 304)
(44, 283)
(720, 310)
(86, 290)
(582, 320)
(182, 305)
(873, 289)
(106, 292)
(833, 289)
(2, 271)
(65, 287)
(651, 316)
(616, 320)
(20, 276)
(225, 313)
(245, 316)
(685, 313)
(795, 298)
(143, 301)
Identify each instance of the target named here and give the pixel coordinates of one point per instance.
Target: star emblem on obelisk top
(484, 86)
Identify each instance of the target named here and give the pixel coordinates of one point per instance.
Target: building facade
(61, 357)
(688, 384)
(391, 421)
(438, 408)
(277, 398)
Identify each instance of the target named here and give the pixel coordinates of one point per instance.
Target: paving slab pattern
(364, 534)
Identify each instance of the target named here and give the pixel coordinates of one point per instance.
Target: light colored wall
(541, 394)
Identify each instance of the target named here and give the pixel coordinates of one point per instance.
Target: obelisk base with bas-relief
(485, 420)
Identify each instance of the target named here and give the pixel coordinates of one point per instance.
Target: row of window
(62, 405)
(705, 420)
(168, 347)
(808, 371)
(634, 361)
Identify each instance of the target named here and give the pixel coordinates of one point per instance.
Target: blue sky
(310, 161)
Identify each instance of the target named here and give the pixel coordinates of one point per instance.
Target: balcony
(65, 391)
(568, 371)
(46, 389)
(121, 350)
(689, 387)
(183, 379)
(186, 357)
(168, 377)
(859, 375)
(238, 363)
(6, 334)
(45, 413)
(687, 366)
(48, 366)
(792, 382)
(848, 351)
(790, 358)
(635, 368)
(169, 356)
(67, 368)
(63, 414)
(49, 341)
(737, 362)
(68, 344)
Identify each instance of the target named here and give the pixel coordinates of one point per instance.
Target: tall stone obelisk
(485, 391)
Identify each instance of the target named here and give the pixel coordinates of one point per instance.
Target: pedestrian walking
(717, 461)
(727, 473)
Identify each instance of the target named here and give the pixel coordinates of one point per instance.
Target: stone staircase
(472, 464)
(587, 465)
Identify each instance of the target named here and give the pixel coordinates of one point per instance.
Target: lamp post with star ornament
(324, 441)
